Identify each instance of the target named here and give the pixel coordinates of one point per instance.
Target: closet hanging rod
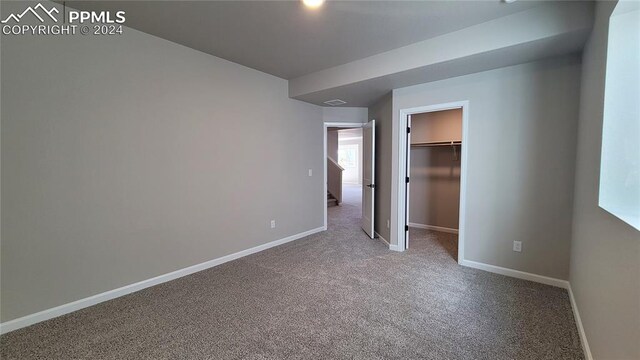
(438, 143)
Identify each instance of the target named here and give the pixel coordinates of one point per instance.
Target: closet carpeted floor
(332, 295)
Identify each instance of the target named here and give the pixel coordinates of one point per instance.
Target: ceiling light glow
(313, 4)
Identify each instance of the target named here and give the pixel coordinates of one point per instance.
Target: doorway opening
(348, 189)
(431, 195)
(344, 166)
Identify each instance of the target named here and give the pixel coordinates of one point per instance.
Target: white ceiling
(287, 40)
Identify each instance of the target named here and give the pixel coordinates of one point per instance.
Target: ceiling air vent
(335, 102)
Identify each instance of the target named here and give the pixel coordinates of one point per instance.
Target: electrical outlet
(310, 172)
(388, 224)
(517, 246)
(273, 224)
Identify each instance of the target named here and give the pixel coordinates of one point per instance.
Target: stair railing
(334, 179)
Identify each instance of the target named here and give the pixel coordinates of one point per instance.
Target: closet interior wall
(434, 198)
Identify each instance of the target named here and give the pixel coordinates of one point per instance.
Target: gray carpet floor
(332, 295)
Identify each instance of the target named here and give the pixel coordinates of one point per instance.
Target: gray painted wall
(344, 114)
(522, 138)
(381, 112)
(605, 252)
(127, 157)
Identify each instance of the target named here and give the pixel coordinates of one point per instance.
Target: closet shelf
(438, 143)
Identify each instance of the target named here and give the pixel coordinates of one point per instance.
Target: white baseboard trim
(581, 332)
(434, 228)
(391, 247)
(516, 274)
(31, 319)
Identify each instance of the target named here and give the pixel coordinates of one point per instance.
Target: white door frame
(324, 159)
(402, 148)
(405, 238)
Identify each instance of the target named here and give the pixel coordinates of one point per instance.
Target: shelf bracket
(455, 153)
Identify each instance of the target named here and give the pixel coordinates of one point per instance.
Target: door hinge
(408, 130)
(406, 228)
(407, 179)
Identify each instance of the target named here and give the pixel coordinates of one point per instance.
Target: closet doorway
(431, 195)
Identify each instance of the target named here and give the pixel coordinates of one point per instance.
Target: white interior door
(408, 188)
(368, 176)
